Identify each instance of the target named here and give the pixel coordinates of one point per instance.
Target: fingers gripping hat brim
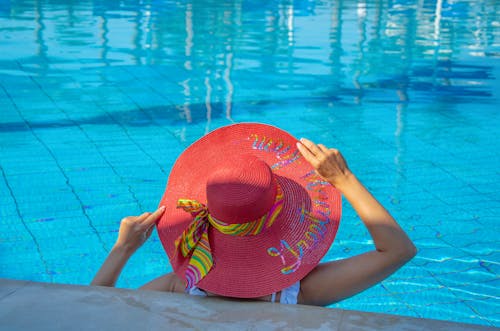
(254, 265)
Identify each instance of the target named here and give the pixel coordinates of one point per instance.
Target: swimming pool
(98, 98)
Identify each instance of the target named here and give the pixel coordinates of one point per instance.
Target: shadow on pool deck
(43, 306)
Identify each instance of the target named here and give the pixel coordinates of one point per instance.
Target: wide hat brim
(254, 265)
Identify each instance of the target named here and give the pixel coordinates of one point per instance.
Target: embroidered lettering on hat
(315, 231)
(285, 154)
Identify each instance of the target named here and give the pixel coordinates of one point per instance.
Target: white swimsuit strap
(290, 294)
(196, 291)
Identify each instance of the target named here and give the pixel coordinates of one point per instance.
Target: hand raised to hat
(336, 280)
(328, 162)
(135, 230)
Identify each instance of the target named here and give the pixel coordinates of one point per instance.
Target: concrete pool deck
(28, 305)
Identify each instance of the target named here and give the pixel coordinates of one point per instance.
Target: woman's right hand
(336, 280)
(328, 162)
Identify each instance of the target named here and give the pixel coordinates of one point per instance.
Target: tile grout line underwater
(33, 237)
(61, 170)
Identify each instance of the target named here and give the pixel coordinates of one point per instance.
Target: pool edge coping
(30, 305)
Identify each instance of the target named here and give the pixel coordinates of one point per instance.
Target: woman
(208, 260)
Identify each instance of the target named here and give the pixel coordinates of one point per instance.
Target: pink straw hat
(246, 215)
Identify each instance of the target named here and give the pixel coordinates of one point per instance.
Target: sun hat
(246, 215)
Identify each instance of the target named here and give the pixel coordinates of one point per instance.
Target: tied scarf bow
(194, 239)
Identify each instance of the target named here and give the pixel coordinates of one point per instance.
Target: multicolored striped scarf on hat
(194, 240)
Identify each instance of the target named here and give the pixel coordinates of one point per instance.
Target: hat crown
(241, 191)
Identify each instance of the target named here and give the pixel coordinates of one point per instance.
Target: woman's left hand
(135, 230)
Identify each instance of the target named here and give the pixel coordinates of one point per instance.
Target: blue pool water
(98, 98)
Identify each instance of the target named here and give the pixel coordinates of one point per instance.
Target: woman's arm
(333, 281)
(134, 231)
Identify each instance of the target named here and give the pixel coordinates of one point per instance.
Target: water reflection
(354, 47)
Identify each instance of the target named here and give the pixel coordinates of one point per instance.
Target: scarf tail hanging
(194, 239)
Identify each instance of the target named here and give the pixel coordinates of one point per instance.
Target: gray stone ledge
(42, 306)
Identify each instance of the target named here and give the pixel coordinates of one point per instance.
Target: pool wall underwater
(98, 98)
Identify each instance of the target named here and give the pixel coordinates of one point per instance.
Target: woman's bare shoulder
(167, 283)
